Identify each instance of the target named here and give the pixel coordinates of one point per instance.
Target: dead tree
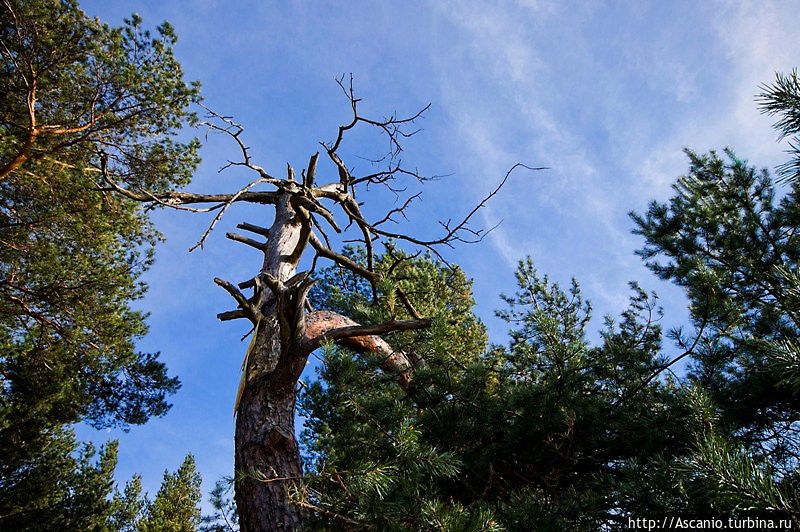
(285, 329)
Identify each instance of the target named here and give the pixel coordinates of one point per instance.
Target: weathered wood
(266, 452)
(322, 326)
(263, 231)
(265, 444)
(236, 237)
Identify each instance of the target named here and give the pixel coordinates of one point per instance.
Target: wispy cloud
(756, 40)
(509, 120)
(612, 124)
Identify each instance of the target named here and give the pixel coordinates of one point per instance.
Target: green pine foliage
(548, 433)
(65, 487)
(728, 236)
(782, 99)
(722, 472)
(174, 508)
(728, 239)
(552, 432)
(82, 105)
(397, 480)
(127, 506)
(73, 251)
(70, 486)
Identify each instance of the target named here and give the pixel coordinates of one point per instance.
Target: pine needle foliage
(535, 435)
(782, 99)
(174, 508)
(79, 101)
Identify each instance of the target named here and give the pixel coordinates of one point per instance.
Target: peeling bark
(325, 325)
(267, 456)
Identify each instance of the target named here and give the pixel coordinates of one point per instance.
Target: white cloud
(757, 40)
(611, 122)
(505, 122)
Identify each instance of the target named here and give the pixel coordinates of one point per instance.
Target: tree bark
(267, 458)
(267, 453)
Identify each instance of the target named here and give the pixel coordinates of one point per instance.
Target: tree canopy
(78, 99)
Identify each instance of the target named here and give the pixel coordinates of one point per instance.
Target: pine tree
(728, 237)
(548, 433)
(127, 506)
(78, 99)
(723, 237)
(62, 487)
(175, 507)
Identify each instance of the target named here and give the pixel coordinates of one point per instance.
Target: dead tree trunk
(286, 331)
(266, 450)
(267, 457)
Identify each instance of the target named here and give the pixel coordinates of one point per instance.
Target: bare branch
(250, 283)
(263, 231)
(386, 175)
(407, 303)
(300, 304)
(398, 260)
(391, 126)
(231, 315)
(302, 239)
(175, 199)
(308, 177)
(272, 282)
(397, 210)
(244, 304)
(352, 209)
(235, 130)
(222, 211)
(314, 206)
(453, 233)
(249, 241)
(296, 279)
(326, 252)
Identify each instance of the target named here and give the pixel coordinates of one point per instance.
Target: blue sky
(606, 94)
